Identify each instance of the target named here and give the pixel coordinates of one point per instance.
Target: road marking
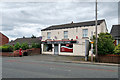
(52, 68)
(68, 70)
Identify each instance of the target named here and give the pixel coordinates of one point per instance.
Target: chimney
(72, 22)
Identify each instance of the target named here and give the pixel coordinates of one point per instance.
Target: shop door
(56, 49)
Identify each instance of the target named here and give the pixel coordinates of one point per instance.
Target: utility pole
(96, 55)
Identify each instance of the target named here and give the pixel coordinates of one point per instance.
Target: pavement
(67, 59)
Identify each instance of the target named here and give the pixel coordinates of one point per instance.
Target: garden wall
(7, 54)
(110, 58)
(32, 51)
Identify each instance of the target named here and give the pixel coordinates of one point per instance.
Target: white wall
(78, 49)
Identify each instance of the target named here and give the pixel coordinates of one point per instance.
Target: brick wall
(7, 54)
(3, 39)
(110, 58)
(33, 51)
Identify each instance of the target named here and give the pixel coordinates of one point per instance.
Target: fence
(110, 58)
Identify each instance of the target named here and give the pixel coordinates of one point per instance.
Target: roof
(27, 40)
(1, 34)
(72, 25)
(115, 31)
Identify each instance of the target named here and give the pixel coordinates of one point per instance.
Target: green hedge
(24, 46)
(117, 49)
(6, 48)
(35, 45)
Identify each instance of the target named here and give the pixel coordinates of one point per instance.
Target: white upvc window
(48, 35)
(85, 32)
(65, 34)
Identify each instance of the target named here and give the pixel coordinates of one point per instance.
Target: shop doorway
(56, 51)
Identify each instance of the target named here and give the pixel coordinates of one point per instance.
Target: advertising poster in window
(66, 48)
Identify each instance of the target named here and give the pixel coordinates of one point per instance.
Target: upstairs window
(65, 34)
(48, 35)
(85, 32)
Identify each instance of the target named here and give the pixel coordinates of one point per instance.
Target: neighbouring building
(3, 39)
(69, 39)
(30, 41)
(115, 32)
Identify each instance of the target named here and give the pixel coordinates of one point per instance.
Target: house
(115, 32)
(30, 41)
(69, 39)
(3, 39)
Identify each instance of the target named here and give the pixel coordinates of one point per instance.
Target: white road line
(67, 70)
(52, 68)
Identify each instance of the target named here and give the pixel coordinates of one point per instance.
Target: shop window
(66, 48)
(47, 48)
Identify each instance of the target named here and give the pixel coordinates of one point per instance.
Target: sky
(28, 18)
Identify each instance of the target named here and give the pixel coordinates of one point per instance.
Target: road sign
(92, 42)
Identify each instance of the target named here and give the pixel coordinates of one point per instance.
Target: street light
(96, 55)
(40, 45)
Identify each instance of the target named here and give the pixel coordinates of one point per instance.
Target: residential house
(3, 39)
(69, 39)
(30, 41)
(115, 32)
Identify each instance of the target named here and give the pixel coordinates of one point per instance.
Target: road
(16, 67)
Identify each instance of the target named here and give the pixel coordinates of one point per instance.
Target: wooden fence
(110, 58)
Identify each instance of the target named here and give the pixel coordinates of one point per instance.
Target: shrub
(24, 46)
(117, 49)
(0, 48)
(17, 46)
(35, 45)
(6, 48)
(105, 44)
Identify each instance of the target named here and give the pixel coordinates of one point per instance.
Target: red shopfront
(65, 45)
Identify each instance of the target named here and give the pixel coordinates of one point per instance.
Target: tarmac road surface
(16, 67)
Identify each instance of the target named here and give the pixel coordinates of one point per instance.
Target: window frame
(65, 35)
(48, 35)
(84, 33)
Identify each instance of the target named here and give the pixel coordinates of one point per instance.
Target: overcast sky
(26, 18)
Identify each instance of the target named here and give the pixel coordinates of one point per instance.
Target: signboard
(40, 37)
(76, 37)
(92, 42)
(59, 42)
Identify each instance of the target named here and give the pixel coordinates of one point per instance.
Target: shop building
(69, 39)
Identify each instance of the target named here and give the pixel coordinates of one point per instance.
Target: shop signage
(59, 42)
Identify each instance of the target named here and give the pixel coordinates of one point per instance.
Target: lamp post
(96, 55)
(40, 45)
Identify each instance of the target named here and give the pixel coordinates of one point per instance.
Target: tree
(117, 49)
(17, 46)
(25, 46)
(105, 44)
(23, 36)
(33, 36)
(35, 45)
